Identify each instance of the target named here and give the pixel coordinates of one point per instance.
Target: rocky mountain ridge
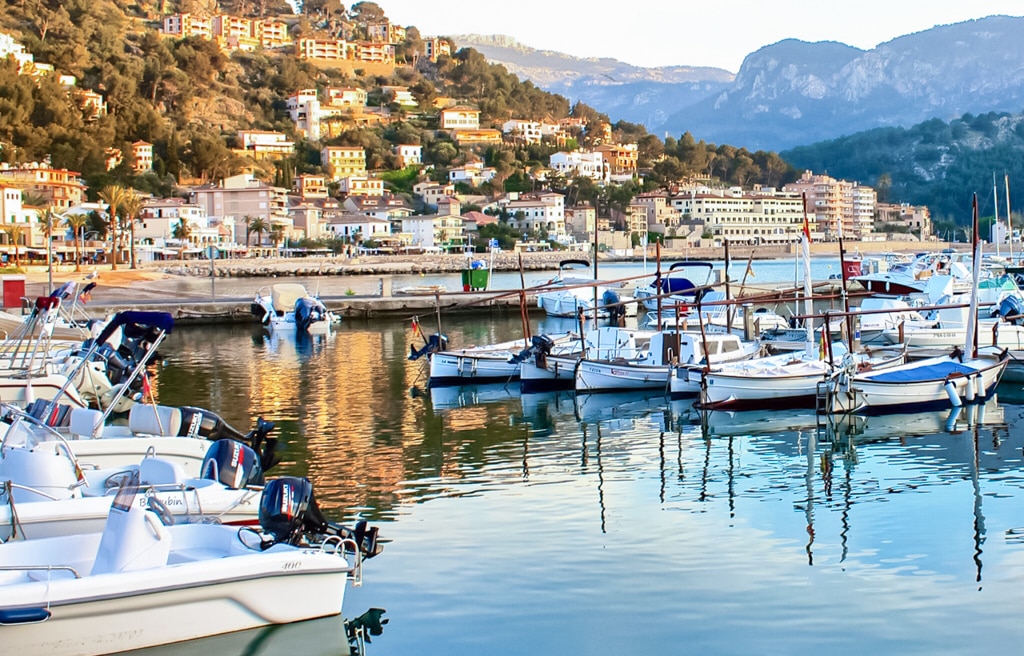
(795, 92)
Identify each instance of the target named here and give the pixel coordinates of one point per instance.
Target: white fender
(954, 398)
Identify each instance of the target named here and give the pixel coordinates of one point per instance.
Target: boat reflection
(328, 636)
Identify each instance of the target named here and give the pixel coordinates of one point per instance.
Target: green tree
(114, 197)
(259, 225)
(76, 224)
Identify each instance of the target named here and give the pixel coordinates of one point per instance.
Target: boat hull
(599, 376)
(558, 373)
(759, 391)
(176, 604)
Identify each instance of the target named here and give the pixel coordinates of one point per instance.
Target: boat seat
(85, 422)
(154, 419)
(58, 416)
(131, 541)
(159, 471)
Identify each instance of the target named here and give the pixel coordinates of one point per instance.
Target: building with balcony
(62, 189)
(343, 161)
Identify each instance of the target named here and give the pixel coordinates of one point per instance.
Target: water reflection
(539, 505)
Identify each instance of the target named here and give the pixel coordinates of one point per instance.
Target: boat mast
(971, 337)
(995, 208)
(1009, 214)
(805, 241)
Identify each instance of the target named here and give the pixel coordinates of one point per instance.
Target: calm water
(545, 524)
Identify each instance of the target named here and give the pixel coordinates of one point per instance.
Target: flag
(146, 389)
(750, 268)
(823, 347)
(84, 297)
(416, 326)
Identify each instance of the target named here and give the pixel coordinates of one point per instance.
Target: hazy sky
(668, 32)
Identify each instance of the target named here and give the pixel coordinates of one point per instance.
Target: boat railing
(335, 544)
(40, 568)
(10, 486)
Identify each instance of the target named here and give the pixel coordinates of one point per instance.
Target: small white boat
(546, 369)
(566, 296)
(492, 363)
(929, 384)
(140, 584)
(651, 367)
(45, 492)
(287, 306)
(685, 377)
(787, 380)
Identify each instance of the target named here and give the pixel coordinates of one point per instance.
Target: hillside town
(349, 205)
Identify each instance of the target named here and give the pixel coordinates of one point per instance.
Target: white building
(538, 212)
(473, 173)
(580, 164)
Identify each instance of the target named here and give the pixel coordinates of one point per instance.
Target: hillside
(934, 163)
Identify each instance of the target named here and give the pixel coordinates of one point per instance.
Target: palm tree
(76, 222)
(132, 207)
(259, 226)
(277, 234)
(114, 196)
(182, 230)
(15, 231)
(248, 218)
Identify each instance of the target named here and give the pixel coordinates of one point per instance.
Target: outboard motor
(540, 345)
(290, 514)
(307, 312)
(435, 343)
(1011, 307)
(260, 312)
(232, 463)
(615, 311)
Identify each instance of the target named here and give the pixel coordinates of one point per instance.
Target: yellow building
(343, 161)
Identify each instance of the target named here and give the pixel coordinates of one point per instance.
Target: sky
(685, 32)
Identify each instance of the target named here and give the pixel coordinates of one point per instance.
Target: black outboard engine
(436, 342)
(307, 311)
(290, 514)
(540, 345)
(199, 422)
(232, 463)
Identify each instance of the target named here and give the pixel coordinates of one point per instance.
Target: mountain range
(794, 92)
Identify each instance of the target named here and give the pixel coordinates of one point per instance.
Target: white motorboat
(46, 492)
(180, 435)
(545, 369)
(685, 377)
(650, 368)
(567, 295)
(932, 383)
(913, 277)
(140, 584)
(492, 363)
(288, 307)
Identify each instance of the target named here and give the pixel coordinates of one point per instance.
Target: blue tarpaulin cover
(937, 370)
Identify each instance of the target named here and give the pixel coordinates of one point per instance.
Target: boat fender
(954, 398)
(969, 390)
(10, 616)
(980, 385)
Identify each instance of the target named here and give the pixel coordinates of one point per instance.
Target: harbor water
(623, 524)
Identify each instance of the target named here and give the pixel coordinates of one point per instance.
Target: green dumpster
(474, 279)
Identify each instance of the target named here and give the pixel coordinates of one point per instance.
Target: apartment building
(343, 161)
(62, 189)
(460, 117)
(840, 208)
(345, 97)
(187, 25)
(375, 53)
(621, 159)
(328, 49)
(142, 152)
(264, 144)
(238, 199)
(580, 164)
(385, 32)
(308, 187)
(435, 47)
(361, 185)
(661, 217)
(765, 216)
(537, 212)
(160, 217)
(432, 192)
